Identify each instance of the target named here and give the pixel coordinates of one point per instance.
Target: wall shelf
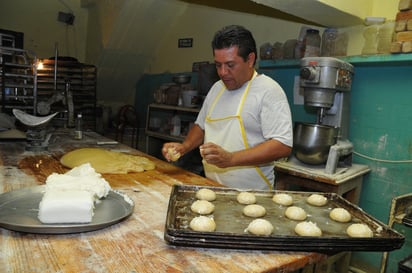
(359, 60)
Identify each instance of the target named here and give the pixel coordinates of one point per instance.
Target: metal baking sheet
(231, 224)
(19, 210)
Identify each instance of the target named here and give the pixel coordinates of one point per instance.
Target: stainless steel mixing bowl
(311, 142)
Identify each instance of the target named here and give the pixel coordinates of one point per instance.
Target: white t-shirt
(266, 112)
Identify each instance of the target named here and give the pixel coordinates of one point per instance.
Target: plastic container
(78, 130)
(341, 46)
(190, 98)
(370, 34)
(176, 126)
(312, 43)
(385, 36)
(329, 38)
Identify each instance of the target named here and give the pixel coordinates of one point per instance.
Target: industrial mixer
(326, 83)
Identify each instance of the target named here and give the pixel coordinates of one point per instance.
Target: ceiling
(312, 12)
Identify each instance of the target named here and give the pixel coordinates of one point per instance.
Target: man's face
(231, 68)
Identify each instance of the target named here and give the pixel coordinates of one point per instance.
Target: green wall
(381, 128)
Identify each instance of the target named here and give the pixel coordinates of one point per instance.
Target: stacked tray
(231, 224)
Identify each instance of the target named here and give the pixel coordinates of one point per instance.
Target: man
(245, 122)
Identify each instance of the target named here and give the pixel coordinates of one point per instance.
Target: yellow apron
(229, 132)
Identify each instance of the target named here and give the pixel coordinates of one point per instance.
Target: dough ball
(202, 207)
(254, 210)
(283, 199)
(308, 229)
(206, 194)
(317, 200)
(295, 213)
(203, 223)
(340, 215)
(246, 198)
(173, 154)
(359, 230)
(260, 227)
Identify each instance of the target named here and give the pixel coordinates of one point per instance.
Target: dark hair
(235, 36)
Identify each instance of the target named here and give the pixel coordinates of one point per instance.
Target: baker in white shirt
(245, 123)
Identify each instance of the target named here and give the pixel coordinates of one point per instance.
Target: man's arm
(265, 152)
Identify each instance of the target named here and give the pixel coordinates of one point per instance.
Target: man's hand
(216, 155)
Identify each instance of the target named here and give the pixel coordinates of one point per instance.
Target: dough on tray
(202, 207)
(308, 229)
(106, 161)
(340, 215)
(295, 213)
(246, 198)
(206, 194)
(283, 199)
(359, 230)
(203, 223)
(254, 210)
(260, 227)
(317, 200)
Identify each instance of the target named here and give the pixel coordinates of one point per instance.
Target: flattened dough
(203, 223)
(260, 227)
(254, 210)
(106, 161)
(206, 194)
(246, 198)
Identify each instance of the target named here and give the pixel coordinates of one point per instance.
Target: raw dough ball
(317, 200)
(340, 215)
(202, 207)
(206, 194)
(283, 199)
(202, 223)
(295, 213)
(308, 229)
(173, 154)
(260, 227)
(254, 210)
(359, 230)
(246, 198)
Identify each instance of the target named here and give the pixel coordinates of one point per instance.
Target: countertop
(134, 245)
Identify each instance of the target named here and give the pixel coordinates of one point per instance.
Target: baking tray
(19, 210)
(231, 224)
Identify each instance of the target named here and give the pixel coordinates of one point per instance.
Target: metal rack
(400, 214)
(18, 80)
(56, 78)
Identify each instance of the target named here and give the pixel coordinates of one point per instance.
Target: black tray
(231, 224)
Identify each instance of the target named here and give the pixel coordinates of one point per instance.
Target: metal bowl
(181, 79)
(311, 142)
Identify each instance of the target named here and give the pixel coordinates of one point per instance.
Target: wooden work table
(134, 245)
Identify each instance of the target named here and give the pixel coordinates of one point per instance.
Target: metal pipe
(56, 54)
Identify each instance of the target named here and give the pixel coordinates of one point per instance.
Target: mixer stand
(37, 140)
(340, 152)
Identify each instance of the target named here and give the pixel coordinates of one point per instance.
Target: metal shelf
(167, 111)
(18, 80)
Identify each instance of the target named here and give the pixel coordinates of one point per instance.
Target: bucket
(190, 98)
